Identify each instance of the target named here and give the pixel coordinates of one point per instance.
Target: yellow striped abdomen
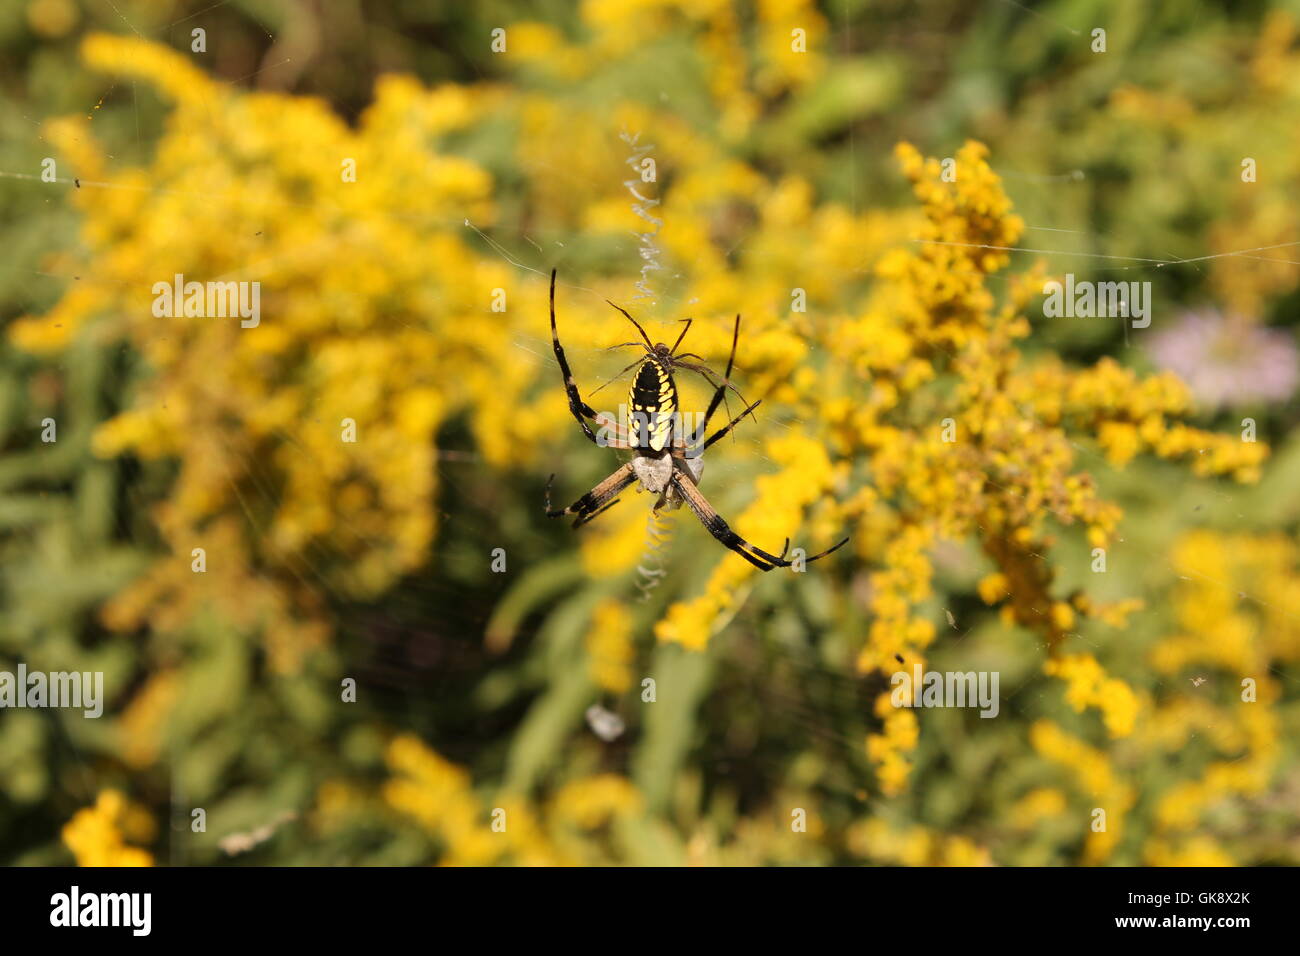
(652, 406)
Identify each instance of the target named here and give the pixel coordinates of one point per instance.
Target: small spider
(665, 465)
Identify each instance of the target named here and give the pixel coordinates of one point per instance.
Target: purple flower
(1228, 361)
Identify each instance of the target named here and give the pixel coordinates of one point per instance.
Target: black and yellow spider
(666, 464)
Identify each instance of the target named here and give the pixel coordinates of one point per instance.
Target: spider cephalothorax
(666, 461)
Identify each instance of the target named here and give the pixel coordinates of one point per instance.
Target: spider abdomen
(652, 406)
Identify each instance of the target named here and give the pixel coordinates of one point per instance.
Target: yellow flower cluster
(1129, 416)
(609, 646)
(1194, 851)
(782, 498)
(1037, 805)
(992, 456)
(598, 820)
(887, 750)
(788, 50)
(593, 801)
(877, 840)
(142, 727)
(305, 445)
(1088, 686)
(52, 18)
(97, 835)
(438, 795)
(1237, 608)
(1098, 779)
(791, 36)
(468, 831)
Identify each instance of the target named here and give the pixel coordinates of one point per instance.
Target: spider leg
(581, 410)
(620, 374)
(578, 523)
(719, 396)
(723, 431)
(716, 526)
(649, 344)
(602, 497)
(682, 336)
(709, 374)
(721, 393)
(719, 528)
